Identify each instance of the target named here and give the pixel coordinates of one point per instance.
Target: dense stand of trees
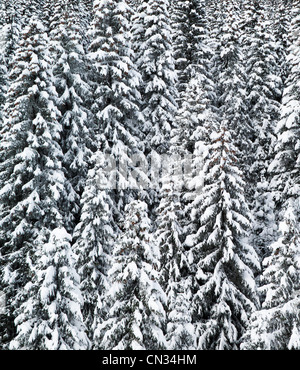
(149, 174)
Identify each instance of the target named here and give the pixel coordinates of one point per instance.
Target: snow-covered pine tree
(168, 234)
(264, 89)
(18, 11)
(136, 316)
(10, 30)
(46, 13)
(215, 16)
(276, 326)
(152, 35)
(3, 89)
(230, 78)
(194, 122)
(175, 276)
(224, 290)
(95, 235)
(280, 26)
(152, 43)
(190, 40)
(116, 98)
(285, 165)
(74, 97)
(194, 119)
(50, 318)
(32, 181)
(2, 13)
(28, 9)
(83, 16)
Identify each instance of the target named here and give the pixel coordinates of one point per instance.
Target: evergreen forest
(149, 174)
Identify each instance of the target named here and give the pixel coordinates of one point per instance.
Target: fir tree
(10, 31)
(190, 31)
(74, 95)
(264, 87)
(215, 17)
(223, 261)
(230, 77)
(285, 165)
(116, 98)
(50, 318)
(83, 16)
(280, 28)
(175, 274)
(195, 119)
(194, 122)
(277, 325)
(136, 316)
(95, 235)
(32, 181)
(29, 8)
(3, 90)
(154, 59)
